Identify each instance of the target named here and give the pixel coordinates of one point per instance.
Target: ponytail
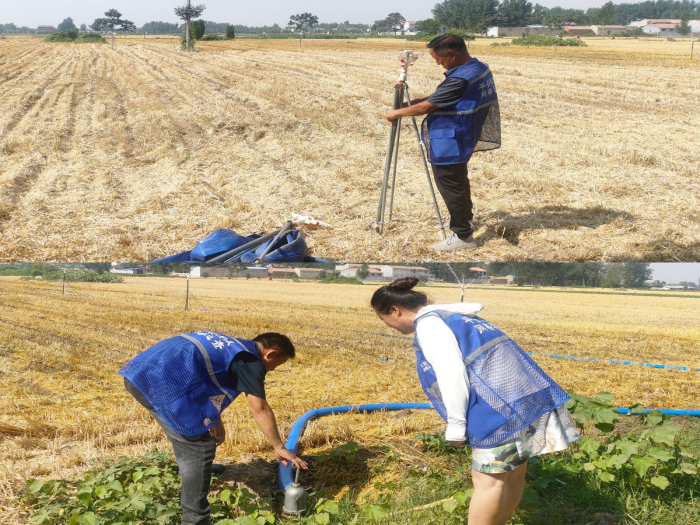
(399, 293)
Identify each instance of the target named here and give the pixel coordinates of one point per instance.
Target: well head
(294, 500)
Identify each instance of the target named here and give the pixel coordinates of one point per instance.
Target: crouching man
(185, 382)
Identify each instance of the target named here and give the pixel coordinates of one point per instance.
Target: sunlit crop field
(63, 406)
(139, 152)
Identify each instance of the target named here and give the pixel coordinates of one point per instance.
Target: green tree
(188, 13)
(635, 275)
(394, 21)
(606, 15)
(429, 25)
(613, 277)
(198, 29)
(113, 21)
(684, 28)
(470, 15)
(66, 25)
(230, 32)
(363, 272)
(514, 13)
(301, 23)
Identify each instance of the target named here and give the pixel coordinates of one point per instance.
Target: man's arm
(265, 418)
(421, 108)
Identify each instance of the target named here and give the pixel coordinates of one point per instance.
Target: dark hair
(278, 342)
(399, 293)
(443, 43)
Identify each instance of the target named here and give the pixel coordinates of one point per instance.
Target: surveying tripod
(401, 92)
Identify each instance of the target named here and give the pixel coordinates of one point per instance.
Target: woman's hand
(285, 456)
(218, 432)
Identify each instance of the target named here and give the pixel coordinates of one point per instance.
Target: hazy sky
(675, 272)
(50, 12)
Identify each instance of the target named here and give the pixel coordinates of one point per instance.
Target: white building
(128, 271)
(350, 271)
(517, 32)
(654, 21)
(662, 30)
(229, 271)
(391, 273)
(610, 30)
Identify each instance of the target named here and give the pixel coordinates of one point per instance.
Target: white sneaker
(453, 243)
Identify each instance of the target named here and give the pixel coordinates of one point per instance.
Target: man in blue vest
(463, 117)
(185, 382)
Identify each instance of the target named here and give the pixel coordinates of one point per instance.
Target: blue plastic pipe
(285, 474)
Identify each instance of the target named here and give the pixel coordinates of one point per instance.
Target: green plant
(544, 40)
(210, 37)
(344, 452)
(230, 32)
(649, 457)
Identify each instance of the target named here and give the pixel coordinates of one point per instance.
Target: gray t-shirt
(450, 91)
(248, 374)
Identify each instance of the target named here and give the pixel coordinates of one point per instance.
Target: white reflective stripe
(485, 347)
(466, 112)
(210, 368)
(481, 76)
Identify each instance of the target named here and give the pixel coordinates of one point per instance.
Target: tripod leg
(427, 170)
(385, 179)
(396, 161)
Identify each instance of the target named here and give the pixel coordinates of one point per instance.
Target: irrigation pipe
(285, 474)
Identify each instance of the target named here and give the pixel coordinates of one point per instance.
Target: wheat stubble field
(139, 152)
(64, 407)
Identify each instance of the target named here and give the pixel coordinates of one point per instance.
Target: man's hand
(457, 444)
(285, 456)
(392, 115)
(218, 432)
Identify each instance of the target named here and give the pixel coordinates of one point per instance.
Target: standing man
(463, 117)
(185, 382)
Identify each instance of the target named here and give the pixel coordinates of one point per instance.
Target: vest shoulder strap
(210, 368)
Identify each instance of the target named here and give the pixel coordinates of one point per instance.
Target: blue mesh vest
(453, 133)
(508, 390)
(186, 378)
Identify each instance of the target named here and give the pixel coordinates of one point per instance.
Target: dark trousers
(453, 183)
(194, 456)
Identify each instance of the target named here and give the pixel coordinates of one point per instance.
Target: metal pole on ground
(187, 294)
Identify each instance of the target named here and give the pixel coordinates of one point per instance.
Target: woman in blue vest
(463, 117)
(185, 382)
(492, 395)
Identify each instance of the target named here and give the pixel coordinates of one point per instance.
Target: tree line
(477, 15)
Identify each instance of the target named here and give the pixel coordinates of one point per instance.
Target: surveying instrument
(401, 93)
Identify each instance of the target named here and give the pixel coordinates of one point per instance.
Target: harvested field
(137, 153)
(64, 407)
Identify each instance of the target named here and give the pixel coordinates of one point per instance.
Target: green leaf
(331, 506)
(460, 468)
(87, 519)
(605, 427)
(606, 477)
(531, 497)
(246, 520)
(606, 397)
(637, 409)
(642, 464)
(462, 497)
(350, 458)
(138, 501)
(660, 481)
(322, 518)
(665, 433)
(151, 471)
(689, 468)
(225, 495)
(589, 445)
(605, 415)
(633, 481)
(653, 418)
(353, 521)
(450, 506)
(351, 446)
(660, 454)
(35, 486)
(588, 467)
(374, 512)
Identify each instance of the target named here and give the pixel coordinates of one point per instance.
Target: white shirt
(441, 350)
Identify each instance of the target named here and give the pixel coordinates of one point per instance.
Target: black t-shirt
(248, 374)
(450, 91)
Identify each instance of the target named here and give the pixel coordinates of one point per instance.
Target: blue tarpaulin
(291, 247)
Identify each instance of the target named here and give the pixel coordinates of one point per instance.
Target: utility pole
(187, 39)
(187, 293)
